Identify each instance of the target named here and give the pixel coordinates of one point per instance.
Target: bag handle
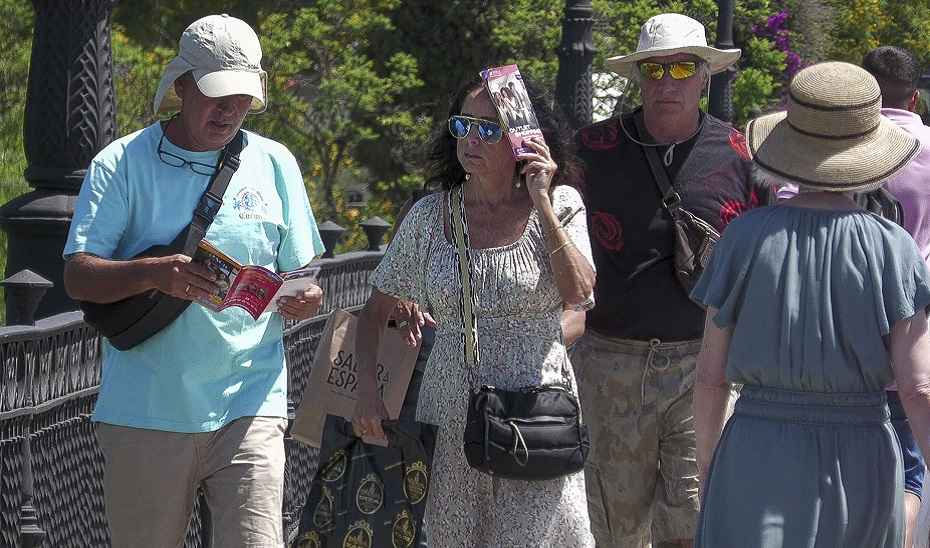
(671, 200)
(468, 302)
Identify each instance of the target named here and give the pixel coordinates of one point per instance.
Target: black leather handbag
(133, 320)
(531, 434)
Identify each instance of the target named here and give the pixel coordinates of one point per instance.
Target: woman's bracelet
(556, 250)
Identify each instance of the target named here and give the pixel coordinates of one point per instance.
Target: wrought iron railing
(49, 375)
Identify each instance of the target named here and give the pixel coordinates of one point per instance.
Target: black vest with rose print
(637, 294)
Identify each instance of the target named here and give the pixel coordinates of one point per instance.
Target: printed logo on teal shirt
(250, 204)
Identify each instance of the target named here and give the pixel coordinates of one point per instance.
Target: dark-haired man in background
(897, 72)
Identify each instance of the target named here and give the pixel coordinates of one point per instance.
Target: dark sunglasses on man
(678, 70)
(488, 130)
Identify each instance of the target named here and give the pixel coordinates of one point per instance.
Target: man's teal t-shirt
(206, 368)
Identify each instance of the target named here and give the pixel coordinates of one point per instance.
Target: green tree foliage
(160, 22)
(16, 44)
(860, 25)
(137, 70)
(328, 96)
(757, 85)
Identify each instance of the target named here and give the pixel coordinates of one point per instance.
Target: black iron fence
(49, 375)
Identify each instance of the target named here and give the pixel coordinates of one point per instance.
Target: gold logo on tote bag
(325, 511)
(309, 540)
(370, 495)
(359, 535)
(416, 482)
(336, 466)
(403, 532)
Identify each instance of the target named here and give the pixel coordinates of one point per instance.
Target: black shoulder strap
(670, 197)
(211, 201)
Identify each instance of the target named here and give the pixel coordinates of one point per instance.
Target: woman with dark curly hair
(530, 258)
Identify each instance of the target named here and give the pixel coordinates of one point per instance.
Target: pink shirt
(912, 185)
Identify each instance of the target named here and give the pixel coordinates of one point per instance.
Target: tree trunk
(813, 23)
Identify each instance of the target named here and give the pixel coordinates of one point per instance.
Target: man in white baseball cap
(636, 362)
(223, 55)
(202, 402)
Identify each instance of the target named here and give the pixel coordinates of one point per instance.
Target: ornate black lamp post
(70, 116)
(721, 93)
(573, 84)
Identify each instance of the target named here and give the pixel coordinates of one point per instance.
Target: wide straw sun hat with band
(224, 56)
(833, 136)
(668, 34)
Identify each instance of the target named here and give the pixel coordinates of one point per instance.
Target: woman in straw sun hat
(814, 305)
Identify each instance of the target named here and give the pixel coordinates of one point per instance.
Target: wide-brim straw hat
(668, 34)
(833, 136)
(223, 55)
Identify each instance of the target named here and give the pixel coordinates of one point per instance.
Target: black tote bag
(367, 496)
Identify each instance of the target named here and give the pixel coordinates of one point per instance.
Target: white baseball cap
(224, 56)
(668, 34)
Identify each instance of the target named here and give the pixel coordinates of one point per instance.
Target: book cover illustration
(253, 288)
(508, 93)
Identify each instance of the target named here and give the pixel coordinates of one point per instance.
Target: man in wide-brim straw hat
(636, 361)
(203, 402)
(815, 306)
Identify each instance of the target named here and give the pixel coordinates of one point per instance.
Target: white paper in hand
(295, 282)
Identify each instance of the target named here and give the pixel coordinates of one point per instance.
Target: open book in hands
(251, 287)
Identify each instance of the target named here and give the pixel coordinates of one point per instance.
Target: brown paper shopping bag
(334, 378)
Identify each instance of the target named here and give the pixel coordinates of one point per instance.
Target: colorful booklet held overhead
(251, 287)
(508, 93)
